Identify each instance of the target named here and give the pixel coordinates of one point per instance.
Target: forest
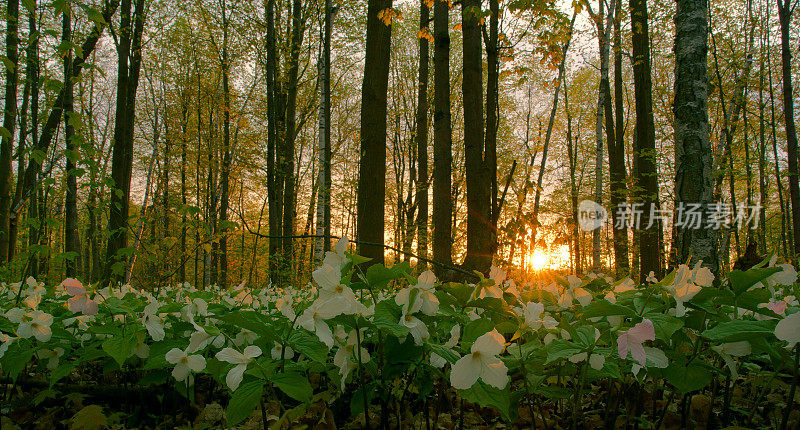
(413, 214)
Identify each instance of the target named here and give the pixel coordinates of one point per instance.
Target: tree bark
(129, 57)
(784, 14)
(492, 117)
(9, 121)
(323, 216)
(71, 241)
(442, 139)
(693, 153)
(644, 150)
(226, 148)
(479, 254)
(298, 28)
(371, 197)
(616, 153)
(422, 137)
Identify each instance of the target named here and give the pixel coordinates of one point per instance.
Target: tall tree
(442, 138)
(479, 253)
(644, 153)
(129, 56)
(323, 216)
(693, 154)
(226, 148)
(71, 241)
(422, 134)
(291, 130)
(9, 120)
(616, 151)
(785, 9)
(492, 113)
(372, 166)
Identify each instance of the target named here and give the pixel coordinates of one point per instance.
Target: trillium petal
(788, 329)
(491, 343)
(252, 351)
(196, 362)
(174, 355)
(231, 355)
(180, 372)
(235, 376)
(494, 372)
(465, 372)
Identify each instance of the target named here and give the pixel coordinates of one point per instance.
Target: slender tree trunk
(645, 151)
(539, 180)
(616, 154)
(442, 139)
(272, 143)
(572, 155)
(298, 28)
(184, 199)
(323, 217)
(785, 243)
(492, 117)
(422, 137)
(693, 153)
(71, 241)
(226, 148)
(478, 181)
(9, 120)
(32, 85)
(784, 14)
(129, 57)
(372, 166)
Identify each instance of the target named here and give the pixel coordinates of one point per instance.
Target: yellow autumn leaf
(457, 27)
(425, 33)
(89, 418)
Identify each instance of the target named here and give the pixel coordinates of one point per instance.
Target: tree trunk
(272, 143)
(492, 120)
(372, 166)
(32, 84)
(184, 200)
(422, 137)
(572, 156)
(9, 119)
(693, 153)
(644, 150)
(784, 13)
(616, 154)
(785, 243)
(323, 216)
(549, 133)
(442, 139)
(129, 51)
(226, 157)
(298, 28)
(71, 241)
(479, 253)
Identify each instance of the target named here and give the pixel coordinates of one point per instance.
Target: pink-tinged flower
(778, 307)
(632, 340)
(80, 301)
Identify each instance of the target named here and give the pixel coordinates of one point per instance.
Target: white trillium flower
(414, 298)
(416, 327)
(312, 320)
(6, 342)
(241, 360)
(184, 363)
(52, 356)
(334, 298)
(788, 329)
(482, 363)
(153, 322)
(347, 356)
(596, 361)
(36, 324)
(533, 317)
(278, 351)
(733, 349)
